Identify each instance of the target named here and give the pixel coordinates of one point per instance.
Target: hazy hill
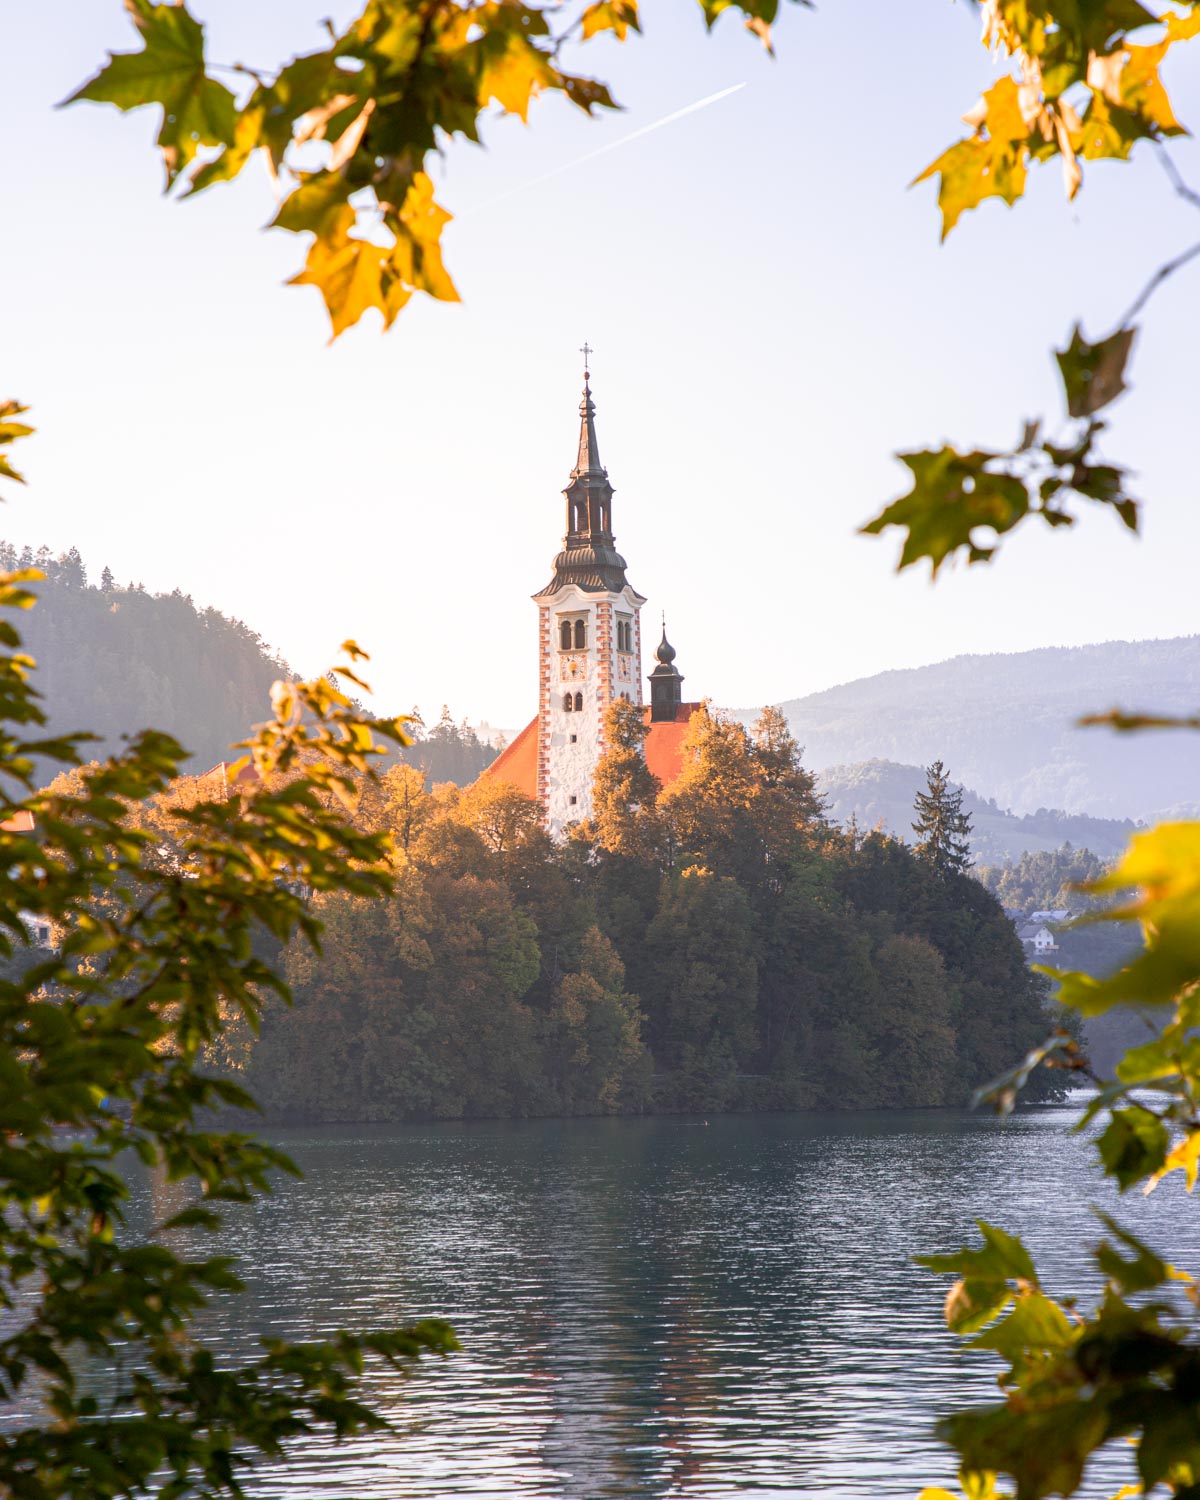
(114, 660)
(880, 791)
(1003, 724)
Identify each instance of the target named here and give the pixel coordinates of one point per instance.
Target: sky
(772, 315)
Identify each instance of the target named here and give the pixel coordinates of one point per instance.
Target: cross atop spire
(587, 351)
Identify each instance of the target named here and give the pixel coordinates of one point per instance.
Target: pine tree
(942, 828)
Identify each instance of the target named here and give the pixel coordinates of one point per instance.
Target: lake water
(663, 1307)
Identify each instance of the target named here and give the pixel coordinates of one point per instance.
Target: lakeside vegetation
(718, 945)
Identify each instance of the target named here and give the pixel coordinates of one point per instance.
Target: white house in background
(1049, 916)
(1038, 937)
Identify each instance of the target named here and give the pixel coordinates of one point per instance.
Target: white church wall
(573, 740)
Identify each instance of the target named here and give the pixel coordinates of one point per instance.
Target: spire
(666, 683)
(589, 557)
(588, 461)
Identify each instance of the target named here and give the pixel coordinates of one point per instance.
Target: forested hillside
(113, 660)
(718, 945)
(880, 792)
(1004, 725)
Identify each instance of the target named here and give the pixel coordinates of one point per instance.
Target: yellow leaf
(617, 16)
(1142, 90)
(1104, 134)
(347, 272)
(417, 255)
(514, 74)
(973, 170)
(1164, 861)
(1184, 1158)
(989, 164)
(1182, 28)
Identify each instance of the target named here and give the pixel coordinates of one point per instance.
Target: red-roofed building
(589, 655)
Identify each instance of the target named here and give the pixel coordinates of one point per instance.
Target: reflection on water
(659, 1307)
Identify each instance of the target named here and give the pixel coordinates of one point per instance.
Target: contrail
(688, 109)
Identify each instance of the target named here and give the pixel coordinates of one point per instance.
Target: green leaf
(1001, 1257)
(1141, 1272)
(1045, 1450)
(1035, 1323)
(971, 1305)
(1133, 1146)
(315, 206)
(169, 71)
(952, 495)
(1060, 1049)
(1093, 374)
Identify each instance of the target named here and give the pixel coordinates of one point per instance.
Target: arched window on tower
(580, 635)
(578, 703)
(568, 703)
(564, 635)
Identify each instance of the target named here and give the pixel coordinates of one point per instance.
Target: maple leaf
(989, 164)
(1142, 91)
(618, 16)
(169, 71)
(417, 255)
(952, 494)
(349, 273)
(1094, 374)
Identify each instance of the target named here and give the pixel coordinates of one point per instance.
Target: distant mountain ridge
(876, 792)
(1004, 725)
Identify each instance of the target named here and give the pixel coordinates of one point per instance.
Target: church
(589, 654)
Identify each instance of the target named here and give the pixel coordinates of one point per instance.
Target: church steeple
(666, 683)
(589, 558)
(588, 461)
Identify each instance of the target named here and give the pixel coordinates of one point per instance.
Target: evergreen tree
(942, 828)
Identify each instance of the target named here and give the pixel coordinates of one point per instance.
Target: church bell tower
(589, 636)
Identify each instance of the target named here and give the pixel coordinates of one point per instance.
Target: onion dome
(666, 683)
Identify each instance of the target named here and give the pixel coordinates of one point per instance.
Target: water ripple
(659, 1308)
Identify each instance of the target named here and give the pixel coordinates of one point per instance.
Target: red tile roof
(517, 763)
(664, 743)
